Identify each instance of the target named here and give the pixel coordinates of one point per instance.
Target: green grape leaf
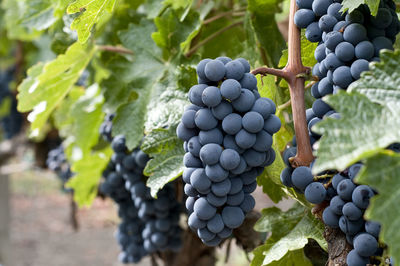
(164, 168)
(369, 112)
(382, 172)
(88, 168)
(160, 140)
(178, 4)
(307, 53)
(290, 231)
(263, 20)
(39, 14)
(47, 85)
(351, 5)
(90, 12)
(293, 258)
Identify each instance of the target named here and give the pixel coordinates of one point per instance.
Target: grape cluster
(347, 43)
(148, 225)
(57, 162)
(12, 122)
(227, 133)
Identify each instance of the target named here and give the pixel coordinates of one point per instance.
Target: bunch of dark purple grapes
(228, 132)
(57, 162)
(148, 225)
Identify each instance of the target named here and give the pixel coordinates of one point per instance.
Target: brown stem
(296, 81)
(212, 36)
(114, 49)
(272, 71)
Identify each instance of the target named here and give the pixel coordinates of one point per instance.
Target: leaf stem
(212, 36)
(284, 106)
(114, 49)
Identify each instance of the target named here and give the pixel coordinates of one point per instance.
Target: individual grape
(245, 101)
(231, 89)
(336, 180)
(342, 76)
(353, 170)
(353, 259)
(364, 50)
(365, 244)
(332, 62)
(361, 196)
(241, 168)
(264, 107)
(309, 115)
(383, 18)
(210, 136)
(336, 205)
(319, 52)
(322, 68)
(325, 87)
(248, 203)
(245, 64)
(232, 123)
(185, 133)
(330, 218)
(200, 68)
(234, 70)
(215, 200)
(235, 199)
(304, 17)
(315, 71)
(340, 26)
(224, 59)
(190, 191)
(203, 209)
(350, 227)
(245, 140)
(345, 51)
(253, 122)
(194, 146)
(327, 22)
(216, 224)
(214, 70)
(272, 124)
(315, 192)
(304, 3)
(288, 153)
(355, 33)
(210, 153)
(373, 32)
(205, 234)
(263, 141)
(254, 158)
(233, 217)
(222, 188)
(196, 222)
(191, 161)
(190, 203)
(196, 94)
(351, 211)
(313, 32)
(381, 43)
(249, 81)
(229, 159)
(334, 10)
(320, 108)
(213, 242)
(373, 228)
(357, 67)
(236, 185)
(320, 7)
(250, 187)
(205, 120)
(333, 38)
(355, 17)
(302, 177)
(314, 90)
(211, 96)
(286, 177)
(200, 181)
(345, 189)
(216, 173)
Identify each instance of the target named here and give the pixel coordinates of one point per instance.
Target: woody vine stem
(294, 73)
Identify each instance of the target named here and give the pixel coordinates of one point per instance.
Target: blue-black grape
(234, 70)
(355, 33)
(357, 67)
(315, 193)
(214, 70)
(365, 244)
(353, 259)
(211, 96)
(304, 17)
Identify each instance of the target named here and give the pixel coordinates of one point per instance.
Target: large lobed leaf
(370, 120)
(90, 12)
(290, 232)
(47, 85)
(382, 172)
